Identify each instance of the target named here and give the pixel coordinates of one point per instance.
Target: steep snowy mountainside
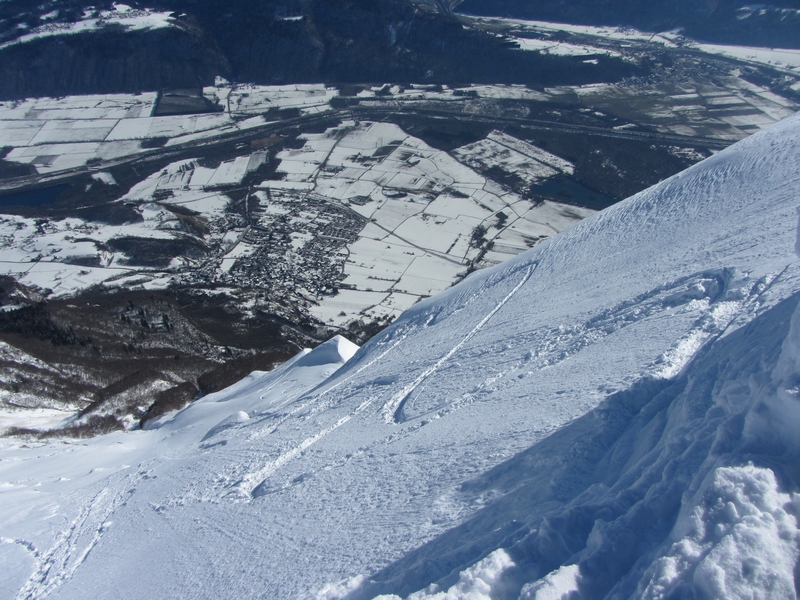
(577, 420)
(671, 488)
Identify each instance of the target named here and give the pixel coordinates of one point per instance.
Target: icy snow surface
(610, 414)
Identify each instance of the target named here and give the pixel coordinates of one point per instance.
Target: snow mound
(476, 583)
(739, 541)
(557, 585)
(261, 391)
(336, 350)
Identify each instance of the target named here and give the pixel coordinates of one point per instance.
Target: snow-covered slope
(610, 414)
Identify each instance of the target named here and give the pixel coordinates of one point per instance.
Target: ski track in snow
(716, 311)
(251, 482)
(393, 410)
(74, 543)
(712, 325)
(314, 399)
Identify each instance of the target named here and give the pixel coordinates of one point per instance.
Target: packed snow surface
(610, 414)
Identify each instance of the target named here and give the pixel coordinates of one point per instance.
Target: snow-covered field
(728, 107)
(55, 134)
(528, 162)
(732, 112)
(561, 48)
(788, 59)
(48, 254)
(610, 414)
(777, 57)
(418, 209)
(547, 28)
(423, 208)
(119, 16)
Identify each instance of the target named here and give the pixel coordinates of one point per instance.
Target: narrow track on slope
(57, 565)
(393, 410)
(252, 483)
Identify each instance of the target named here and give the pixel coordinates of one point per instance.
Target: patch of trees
(150, 252)
(166, 401)
(90, 427)
(35, 321)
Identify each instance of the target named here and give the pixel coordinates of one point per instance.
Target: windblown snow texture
(612, 414)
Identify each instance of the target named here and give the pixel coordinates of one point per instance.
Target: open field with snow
(359, 223)
(67, 133)
(782, 58)
(539, 35)
(624, 34)
(120, 16)
(421, 209)
(730, 106)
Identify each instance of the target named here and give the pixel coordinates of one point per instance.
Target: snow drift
(609, 415)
